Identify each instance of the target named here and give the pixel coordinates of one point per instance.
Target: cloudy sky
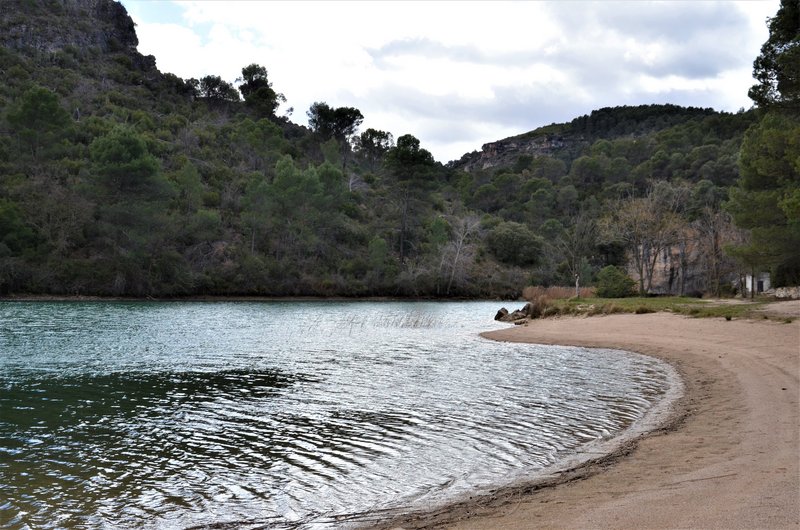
(459, 74)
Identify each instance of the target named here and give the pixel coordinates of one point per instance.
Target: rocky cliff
(555, 139)
(505, 153)
(46, 27)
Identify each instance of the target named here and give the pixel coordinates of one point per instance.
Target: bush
(613, 282)
(538, 306)
(514, 244)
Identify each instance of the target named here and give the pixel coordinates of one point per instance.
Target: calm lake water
(292, 414)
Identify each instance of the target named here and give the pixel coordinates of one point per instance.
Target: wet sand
(728, 457)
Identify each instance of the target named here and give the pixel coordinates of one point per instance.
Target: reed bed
(533, 292)
(414, 320)
(409, 320)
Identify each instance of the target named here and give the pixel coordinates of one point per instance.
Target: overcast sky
(459, 74)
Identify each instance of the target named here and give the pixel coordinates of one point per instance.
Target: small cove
(292, 414)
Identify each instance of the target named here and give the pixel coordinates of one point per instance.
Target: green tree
(515, 244)
(16, 237)
(613, 282)
(339, 123)
(214, 88)
(16, 240)
(373, 145)
(38, 119)
(131, 233)
(328, 122)
(777, 68)
(295, 201)
(411, 166)
(765, 197)
(189, 188)
(124, 167)
(257, 90)
(256, 214)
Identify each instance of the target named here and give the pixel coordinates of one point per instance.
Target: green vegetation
(766, 197)
(117, 179)
(613, 282)
(692, 307)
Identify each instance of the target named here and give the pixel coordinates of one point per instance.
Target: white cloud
(458, 75)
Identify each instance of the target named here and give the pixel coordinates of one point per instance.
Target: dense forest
(118, 179)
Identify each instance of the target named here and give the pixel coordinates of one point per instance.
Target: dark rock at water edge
(520, 314)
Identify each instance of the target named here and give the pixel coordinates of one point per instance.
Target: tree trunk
(455, 264)
(403, 228)
(684, 266)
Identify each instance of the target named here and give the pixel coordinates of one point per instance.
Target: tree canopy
(777, 68)
(257, 90)
(117, 179)
(339, 123)
(766, 196)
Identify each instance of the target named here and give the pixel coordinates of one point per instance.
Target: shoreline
(725, 457)
(230, 298)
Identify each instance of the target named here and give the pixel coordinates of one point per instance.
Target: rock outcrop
(517, 317)
(791, 293)
(49, 27)
(505, 153)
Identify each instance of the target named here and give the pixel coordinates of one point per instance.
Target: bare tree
(576, 244)
(459, 249)
(647, 226)
(715, 230)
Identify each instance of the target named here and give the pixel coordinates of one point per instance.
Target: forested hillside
(118, 179)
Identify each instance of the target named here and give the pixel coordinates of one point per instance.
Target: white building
(762, 283)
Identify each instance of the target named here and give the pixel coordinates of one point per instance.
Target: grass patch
(557, 301)
(693, 307)
(726, 311)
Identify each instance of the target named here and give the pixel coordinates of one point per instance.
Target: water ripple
(148, 415)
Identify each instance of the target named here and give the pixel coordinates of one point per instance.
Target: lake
(291, 414)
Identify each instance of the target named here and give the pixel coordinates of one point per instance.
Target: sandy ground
(728, 458)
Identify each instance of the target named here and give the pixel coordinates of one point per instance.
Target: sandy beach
(729, 456)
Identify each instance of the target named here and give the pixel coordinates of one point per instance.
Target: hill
(606, 123)
(118, 179)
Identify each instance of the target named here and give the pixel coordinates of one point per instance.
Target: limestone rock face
(51, 26)
(504, 153)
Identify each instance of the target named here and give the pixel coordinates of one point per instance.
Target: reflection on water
(168, 415)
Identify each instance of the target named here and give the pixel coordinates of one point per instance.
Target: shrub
(514, 244)
(538, 306)
(613, 282)
(612, 309)
(550, 311)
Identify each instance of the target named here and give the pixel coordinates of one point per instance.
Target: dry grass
(555, 301)
(533, 292)
(539, 305)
